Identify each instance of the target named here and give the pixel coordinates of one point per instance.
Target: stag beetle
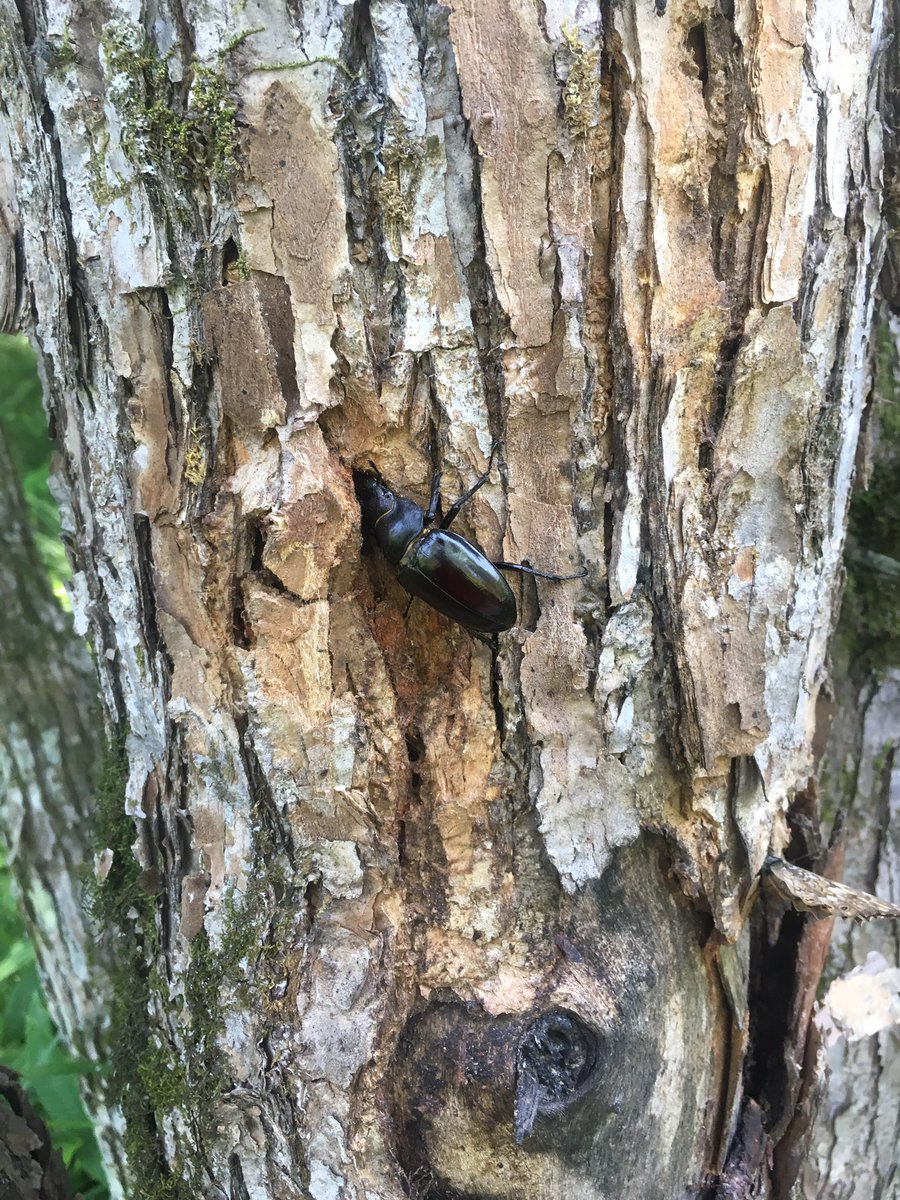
(443, 569)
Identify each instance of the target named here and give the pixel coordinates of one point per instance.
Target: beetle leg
(453, 511)
(506, 566)
(491, 640)
(435, 498)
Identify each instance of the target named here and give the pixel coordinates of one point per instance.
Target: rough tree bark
(854, 1147)
(854, 1142)
(386, 872)
(29, 1167)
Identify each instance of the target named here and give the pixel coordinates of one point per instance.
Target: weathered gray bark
(49, 758)
(854, 1140)
(380, 859)
(854, 1145)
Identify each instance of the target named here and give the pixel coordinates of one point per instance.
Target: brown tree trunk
(30, 1169)
(853, 1151)
(50, 751)
(853, 1148)
(415, 914)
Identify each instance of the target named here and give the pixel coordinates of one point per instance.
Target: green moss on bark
(144, 1079)
(186, 127)
(114, 893)
(150, 1078)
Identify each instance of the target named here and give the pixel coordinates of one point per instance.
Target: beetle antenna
(508, 566)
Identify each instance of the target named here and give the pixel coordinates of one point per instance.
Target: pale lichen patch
(580, 91)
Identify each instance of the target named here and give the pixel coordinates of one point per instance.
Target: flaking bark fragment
(807, 892)
(250, 330)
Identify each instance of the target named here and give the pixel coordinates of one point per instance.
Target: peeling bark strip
(809, 892)
(264, 244)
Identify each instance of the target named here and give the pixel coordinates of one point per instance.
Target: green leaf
(24, 423)
(19, 955)
(18, 993)
(29, 1044)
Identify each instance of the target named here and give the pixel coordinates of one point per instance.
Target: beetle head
(375, 498)
(393, 520)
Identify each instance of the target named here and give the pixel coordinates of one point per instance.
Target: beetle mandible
(440, 567)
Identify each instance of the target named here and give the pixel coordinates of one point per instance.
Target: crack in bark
(363, 111)
(143, 536)
(490, 323)
(682, 732)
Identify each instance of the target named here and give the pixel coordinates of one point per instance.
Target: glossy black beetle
(443, 569)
